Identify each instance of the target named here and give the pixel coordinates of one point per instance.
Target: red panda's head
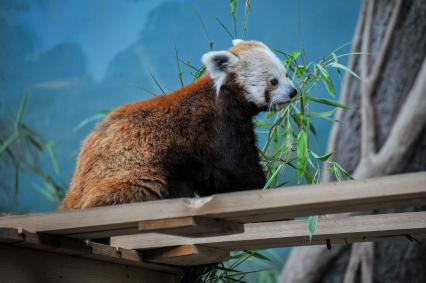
(256, 69)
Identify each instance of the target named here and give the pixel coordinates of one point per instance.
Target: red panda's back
(123, 157)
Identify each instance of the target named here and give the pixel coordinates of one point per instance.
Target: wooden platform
(182, 232)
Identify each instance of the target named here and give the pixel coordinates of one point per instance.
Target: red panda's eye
(273, 82)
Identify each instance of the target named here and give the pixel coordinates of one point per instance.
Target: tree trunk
(383, 133)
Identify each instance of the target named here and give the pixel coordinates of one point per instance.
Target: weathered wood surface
(77, 248)
(191, 226)
(295, 233)
(23, 265)
(243, 207)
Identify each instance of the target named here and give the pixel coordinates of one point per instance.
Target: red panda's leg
(120, 193)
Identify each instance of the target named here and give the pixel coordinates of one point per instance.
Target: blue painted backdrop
(79, 57)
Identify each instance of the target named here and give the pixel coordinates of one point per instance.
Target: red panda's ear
(218, 65)
(219, 61)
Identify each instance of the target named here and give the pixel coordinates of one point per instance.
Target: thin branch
(367, 262)
(353, 265)
(390, 28)
(362, 256)
(367, 110)
(369, 79)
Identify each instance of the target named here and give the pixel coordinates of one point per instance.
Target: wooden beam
(76, 247)
(23, 265)
(10, 236)
(191, 226)
(243, 207)
(295, 233)
(186, 255)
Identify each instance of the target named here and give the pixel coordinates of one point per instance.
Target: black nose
(293, 92)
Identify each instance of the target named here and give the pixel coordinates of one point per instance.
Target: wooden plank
(10, 236)
(244, 207)
(295, 233)
(186, 255)
(125, 256)
(76, 247)
(23, 265)
(190, 226)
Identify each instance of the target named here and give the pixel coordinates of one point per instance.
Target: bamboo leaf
(233, 6)
(8, 142)
(324, 157)
(53, 159)
(328, 102)
(98, 116)
(312, 226)
(273, 176)
(302, 153)
(224, 27)
(180, 74)
(344, 68)
(157, 83)
(51, 197)
(325, 78)
(257, 255)
(321, 114)
(21, 111)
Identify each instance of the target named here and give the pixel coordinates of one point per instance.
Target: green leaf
(302, 153)
(233, 5)
(257, 255)
(340, 66)
(333, 55)
(273, 176)
(8, 142)
(180, 74)
(21, 111)
(46, 193)
(53, 159)
(325, 76)
(263, 124)
(224, 28)
(312, 225)
(157, 83)
(199, 73)
(98, 116)
(301, 70)
(322, 71)
(288, 136)
(343, 170)
(295, 54)
(312, 129)
(328, 102)
(322, 114)
(324, 157)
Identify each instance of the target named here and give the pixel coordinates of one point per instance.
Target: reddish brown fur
(192, 141)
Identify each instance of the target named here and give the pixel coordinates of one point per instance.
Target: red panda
(199, 140)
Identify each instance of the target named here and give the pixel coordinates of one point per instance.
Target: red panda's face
(256, 69)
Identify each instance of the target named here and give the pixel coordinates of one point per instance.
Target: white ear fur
(218, 64)
(236, 41)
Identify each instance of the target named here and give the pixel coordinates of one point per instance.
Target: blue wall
(80, 57)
